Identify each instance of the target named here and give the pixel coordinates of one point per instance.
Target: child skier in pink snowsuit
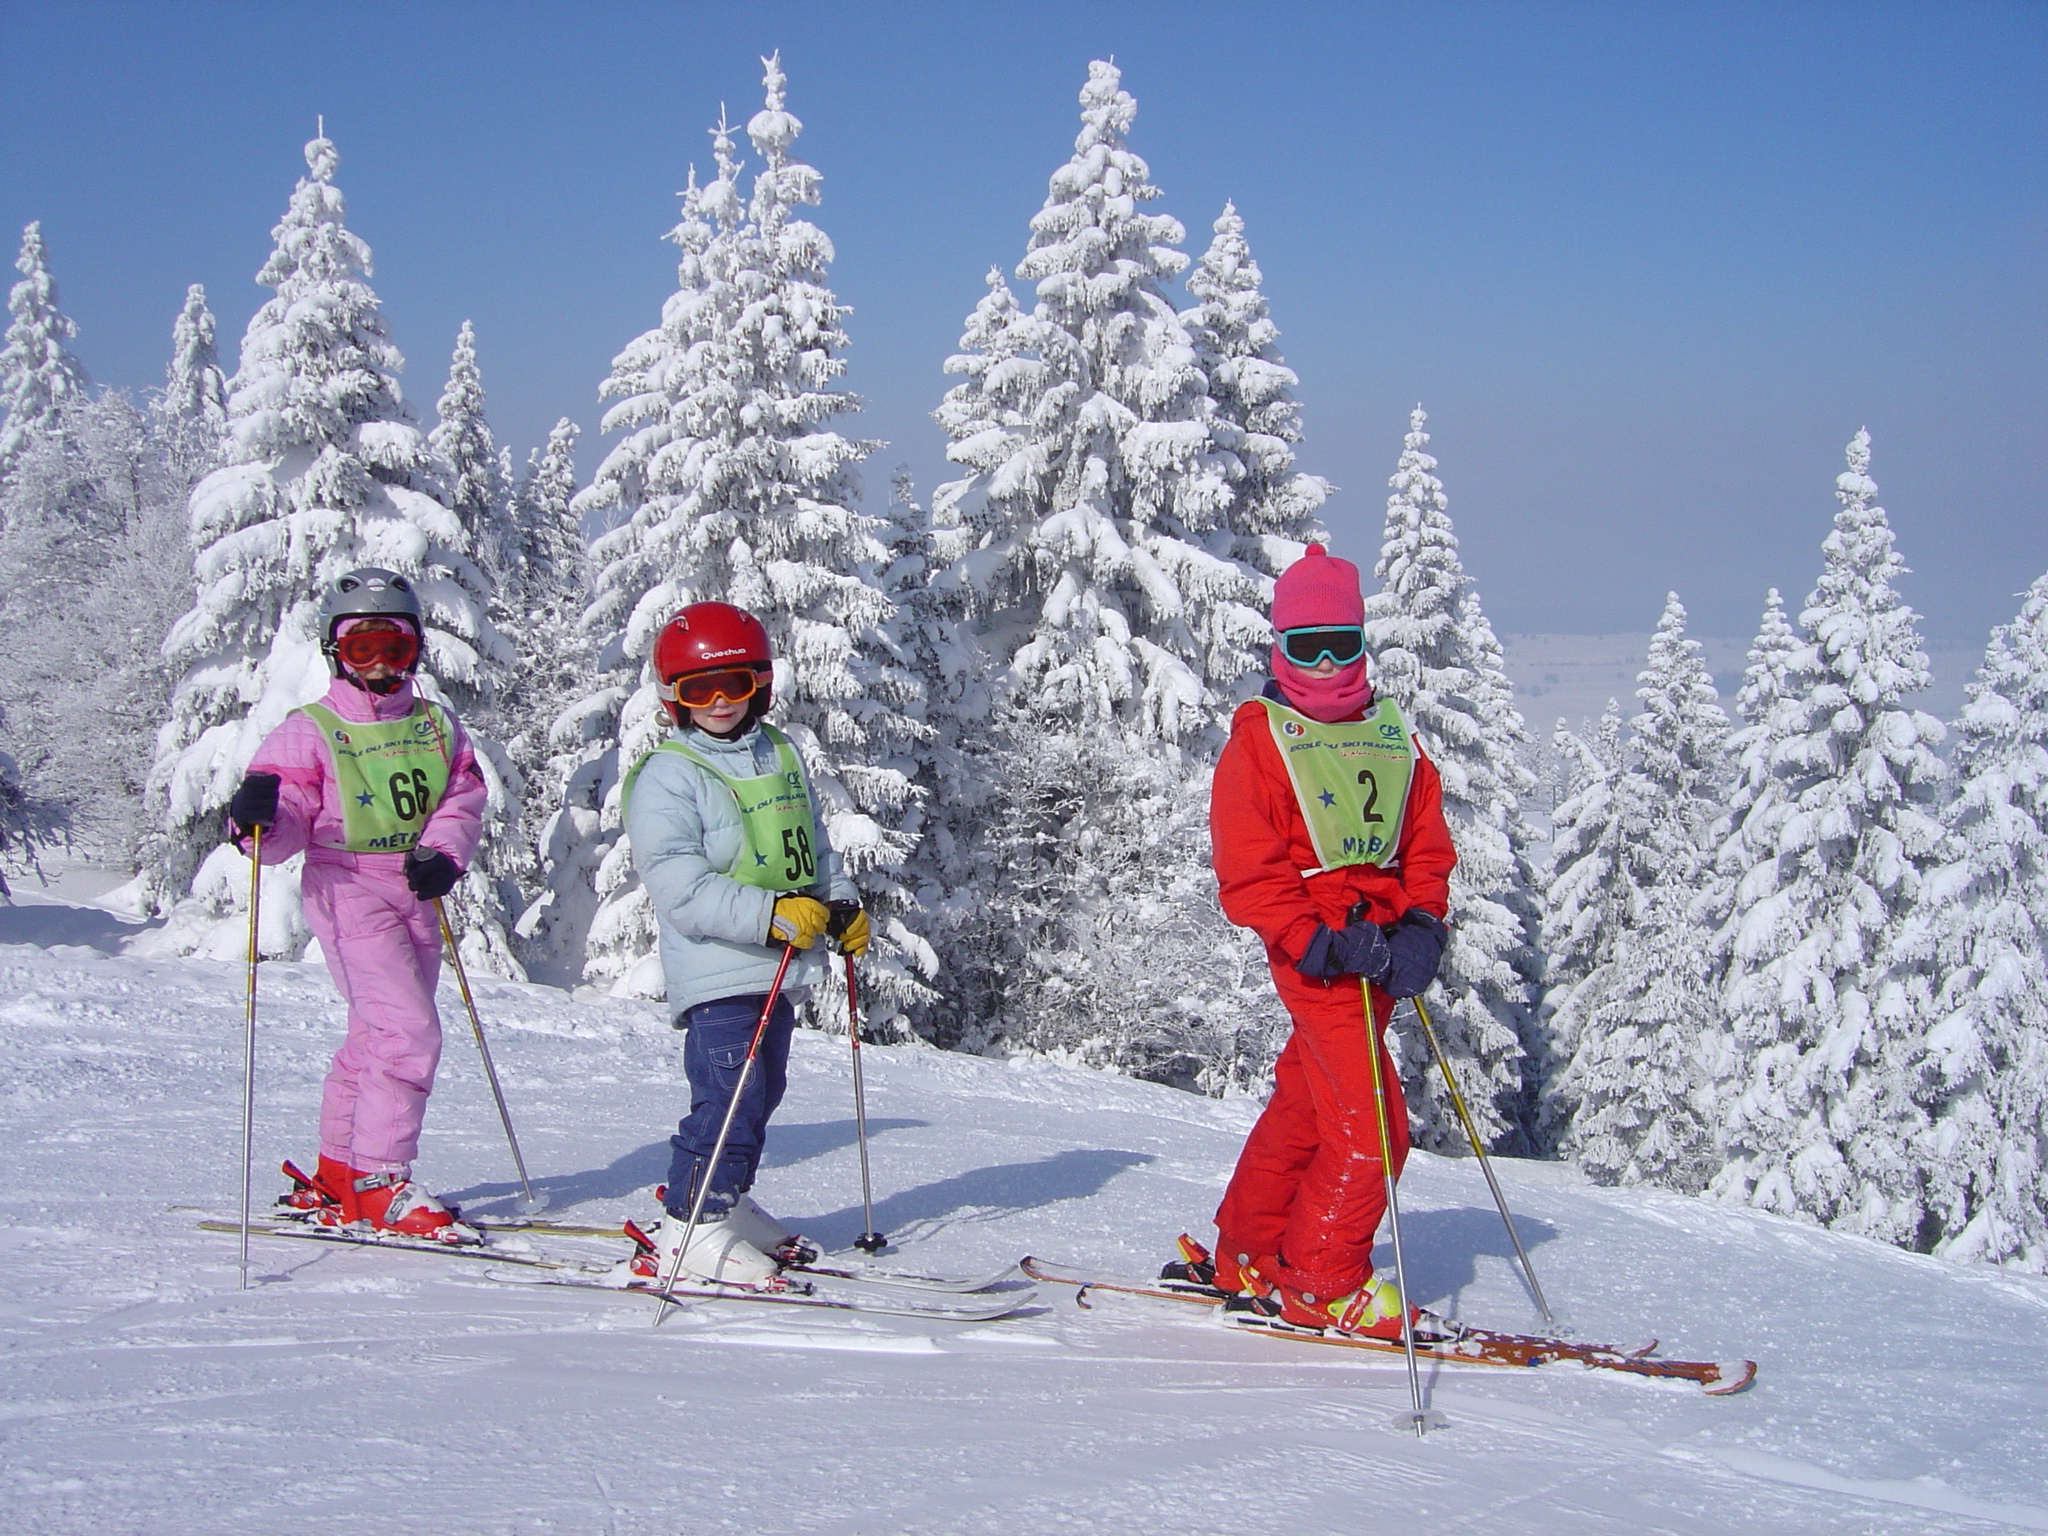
(382, 793)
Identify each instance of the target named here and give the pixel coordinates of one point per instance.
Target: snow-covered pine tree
(1984, 1058)
(1092, 547)
(473, 478)
(38, 374)
(730, 485)
(1820, 1119)
(326, 469)
(1759, 722)
(192, 409)
(1580, 886)
(1633, 1087)
(1256, 416)
(1435, 655)
(547, 589)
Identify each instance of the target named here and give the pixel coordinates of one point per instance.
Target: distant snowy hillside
(1573, 676)
(355, 1390)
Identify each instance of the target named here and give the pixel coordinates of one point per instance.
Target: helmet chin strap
(382, 686)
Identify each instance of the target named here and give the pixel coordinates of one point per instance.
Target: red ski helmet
(710, 637)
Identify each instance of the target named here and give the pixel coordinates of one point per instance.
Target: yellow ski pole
(1485, 1167)
(1419, 1418)
(249, 1041)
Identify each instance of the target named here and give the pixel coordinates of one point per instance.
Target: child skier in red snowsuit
(1329, 841)
(382, 793)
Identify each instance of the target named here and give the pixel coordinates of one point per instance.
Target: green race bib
(390, 774)
(1350, 780)
(775, 816)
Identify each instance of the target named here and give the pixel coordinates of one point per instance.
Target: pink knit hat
(1318, 589)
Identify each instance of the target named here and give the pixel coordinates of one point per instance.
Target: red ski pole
(732, 1110)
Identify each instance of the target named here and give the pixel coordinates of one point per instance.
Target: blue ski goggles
(1342, 643)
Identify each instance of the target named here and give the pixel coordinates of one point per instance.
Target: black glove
(1415, 946)
(849, 927)
(430, 873)
(1358, 950)
(254, 804)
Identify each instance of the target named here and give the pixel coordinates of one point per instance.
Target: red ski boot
(311, 1192)
(392, 1202)
(1372, 1311)
(1223, 1273)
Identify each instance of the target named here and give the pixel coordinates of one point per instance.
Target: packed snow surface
(362, 1390)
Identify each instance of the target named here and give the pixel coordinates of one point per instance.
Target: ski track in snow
(357, 1390)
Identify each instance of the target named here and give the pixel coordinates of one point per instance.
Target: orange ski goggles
(701, 690)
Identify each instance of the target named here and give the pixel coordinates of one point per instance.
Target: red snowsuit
(1309, 1185)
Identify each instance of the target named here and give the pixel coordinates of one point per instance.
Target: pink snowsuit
(383, 945)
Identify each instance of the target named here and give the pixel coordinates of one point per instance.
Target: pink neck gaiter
(1329, 699)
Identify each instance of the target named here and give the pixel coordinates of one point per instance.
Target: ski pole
(870, 1241)
(532, 1203)
(249, 1040)
(1419, 1417)
(732, 1110)
(1472, 1133)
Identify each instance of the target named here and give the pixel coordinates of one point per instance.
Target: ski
(841, 1295)
(1476, 1346)
(894, 1301)
(866, 1273)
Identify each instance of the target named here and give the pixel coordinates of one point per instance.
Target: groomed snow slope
(377, 1391)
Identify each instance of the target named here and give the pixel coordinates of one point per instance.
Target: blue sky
(1648, 266)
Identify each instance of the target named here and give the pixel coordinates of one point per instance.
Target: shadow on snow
(1443, 1248)
(636, 1170)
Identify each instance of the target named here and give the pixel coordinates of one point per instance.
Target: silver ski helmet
(370, 592)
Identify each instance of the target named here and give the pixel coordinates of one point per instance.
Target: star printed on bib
(366, 798)
(761, 860)
(1328, 799)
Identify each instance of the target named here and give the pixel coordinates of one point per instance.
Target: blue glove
(430, 873)
(1359, 950)
(1415, 947)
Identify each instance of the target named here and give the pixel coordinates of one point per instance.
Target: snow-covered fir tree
(1435, 655)
(1256, 417)
(475, 487)
(1983, 1064)
(1581, 886)
(547, 590)
(326, 469)
(1093, 550)
(729, 484)
(38, 374)
(1633, 1088)
(1819, 1115)
(192, 408)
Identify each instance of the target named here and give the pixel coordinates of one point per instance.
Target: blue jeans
(714, 1048)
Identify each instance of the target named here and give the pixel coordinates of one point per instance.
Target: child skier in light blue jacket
(727, 841)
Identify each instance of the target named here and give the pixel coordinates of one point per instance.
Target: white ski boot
(769, 1235)
(717, 1252)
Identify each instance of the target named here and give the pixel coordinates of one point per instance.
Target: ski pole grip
(843, 912)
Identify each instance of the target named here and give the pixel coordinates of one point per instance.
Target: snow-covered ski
(829, 1293)
(898, 1301)
(1475, 1346)
(866, 1273)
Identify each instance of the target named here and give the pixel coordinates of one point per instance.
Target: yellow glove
(853, 938)
(798, 921)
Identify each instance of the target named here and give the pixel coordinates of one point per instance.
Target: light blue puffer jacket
(686, 833)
